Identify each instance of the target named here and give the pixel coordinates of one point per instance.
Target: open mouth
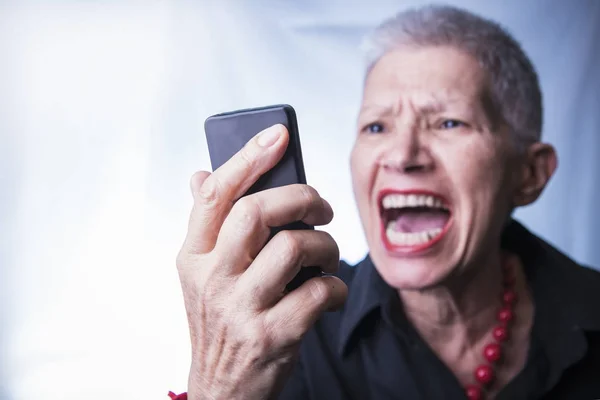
(413, 220)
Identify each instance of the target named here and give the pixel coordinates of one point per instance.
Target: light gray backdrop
(101, 111)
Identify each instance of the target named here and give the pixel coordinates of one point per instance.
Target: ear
(539, 163)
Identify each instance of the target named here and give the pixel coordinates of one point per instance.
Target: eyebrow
(380, 109)
(432, 106)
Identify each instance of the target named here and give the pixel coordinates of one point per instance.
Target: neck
(467, 301)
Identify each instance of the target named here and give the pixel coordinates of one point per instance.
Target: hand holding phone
(245, 330)
(227, 133)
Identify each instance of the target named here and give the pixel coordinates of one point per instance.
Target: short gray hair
(515, 90)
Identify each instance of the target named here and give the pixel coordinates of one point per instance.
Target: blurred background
(102, 105)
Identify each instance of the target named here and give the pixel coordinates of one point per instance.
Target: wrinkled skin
(244, 329)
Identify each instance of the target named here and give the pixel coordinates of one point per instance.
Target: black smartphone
(227, 133)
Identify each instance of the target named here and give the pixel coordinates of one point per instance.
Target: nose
(406, 152)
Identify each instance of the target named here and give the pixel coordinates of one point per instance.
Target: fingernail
(269, 136)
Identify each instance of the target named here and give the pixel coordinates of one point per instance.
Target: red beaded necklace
(492, 352)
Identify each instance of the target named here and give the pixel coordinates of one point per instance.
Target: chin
(409, 274)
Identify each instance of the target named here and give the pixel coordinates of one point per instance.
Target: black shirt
(368, 351)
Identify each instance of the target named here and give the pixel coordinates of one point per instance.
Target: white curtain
(101, 111)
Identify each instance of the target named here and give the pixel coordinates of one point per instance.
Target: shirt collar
(570, 304)
(558, 283)
(565, 295)
(366, 294)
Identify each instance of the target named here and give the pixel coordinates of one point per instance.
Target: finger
(281, 259)
(215, 197)
(298, 311)
(196, 182)
(247, 226)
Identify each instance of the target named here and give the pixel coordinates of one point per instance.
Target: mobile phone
(227, 133)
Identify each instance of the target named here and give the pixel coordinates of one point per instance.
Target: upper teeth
(411, 200)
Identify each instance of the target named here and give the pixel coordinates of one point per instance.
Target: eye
(451, 123)
(374, 127)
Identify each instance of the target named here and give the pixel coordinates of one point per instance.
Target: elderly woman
(455, 299)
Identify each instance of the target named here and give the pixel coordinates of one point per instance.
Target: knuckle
(319, 290)
(287, 327)
(253, 294)
(208, 193)
(291, 243)
(259, 339)
(246, 157)
(247, 292)
(246, 212)
(310, 195)
(312, 200)
(254, 331)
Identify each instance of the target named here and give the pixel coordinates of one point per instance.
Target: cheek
(478, 170)
(488, 174)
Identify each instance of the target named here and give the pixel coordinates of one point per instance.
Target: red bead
(484, 374)
(500, 333)
(473, 392)
(509, 297)
(505, 315)
(492, 352)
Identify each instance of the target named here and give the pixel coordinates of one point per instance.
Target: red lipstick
(421, 198)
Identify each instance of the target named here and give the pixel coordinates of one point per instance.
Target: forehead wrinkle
(383, 99)
(420, 104)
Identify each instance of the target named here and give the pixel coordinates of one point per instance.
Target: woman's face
(432, 168)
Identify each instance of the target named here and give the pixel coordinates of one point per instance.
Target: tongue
(415, 220)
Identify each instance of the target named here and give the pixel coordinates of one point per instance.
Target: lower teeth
(411, 238)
